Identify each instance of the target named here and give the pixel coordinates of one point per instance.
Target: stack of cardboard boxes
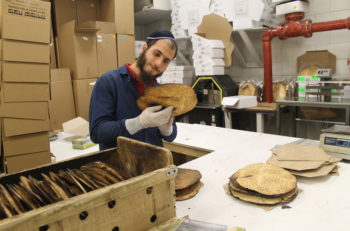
(93, 37)
(25, 74)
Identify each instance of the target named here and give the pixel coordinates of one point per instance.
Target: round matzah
(264, 200)
(189, 192)
(186, 177)
(249, 89)
(279, 90)
(266, 179)
(180, 96)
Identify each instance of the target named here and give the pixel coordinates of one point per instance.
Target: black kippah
(161, 34)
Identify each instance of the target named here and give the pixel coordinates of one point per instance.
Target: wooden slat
(186, 150)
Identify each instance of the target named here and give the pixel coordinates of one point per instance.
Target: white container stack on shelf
(177, 74)
(138, 47)
(208, 56)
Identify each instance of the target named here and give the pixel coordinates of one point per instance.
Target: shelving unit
(149, 16)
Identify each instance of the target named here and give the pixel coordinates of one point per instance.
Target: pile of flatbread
(263, 184)
(304, 160)
(187, 183)
(32, 193)
(181, 96)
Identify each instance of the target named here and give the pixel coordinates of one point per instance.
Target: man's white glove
(167, 129)
(150, 117)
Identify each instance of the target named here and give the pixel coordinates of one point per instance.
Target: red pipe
(294, 26)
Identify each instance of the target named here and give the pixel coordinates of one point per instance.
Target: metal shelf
(148, 16)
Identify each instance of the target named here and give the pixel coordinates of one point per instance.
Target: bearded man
(113, 108)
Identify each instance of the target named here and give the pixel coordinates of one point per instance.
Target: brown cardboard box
(26, 161)
(321, 59)
(25, 51)
(29, 143)
(28, 110)
(106, 52)
(217, 27)
(61, 105)
(25, 72)
(77, 51)
(119, 12)
(82, 93)
(125, 49)
(25, 20)
(24, 92)
(53, 55)
(15, 127)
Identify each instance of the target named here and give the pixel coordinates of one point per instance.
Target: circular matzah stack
(187, 183)
(265, 184)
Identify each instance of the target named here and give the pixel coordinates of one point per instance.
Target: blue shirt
(113, 100)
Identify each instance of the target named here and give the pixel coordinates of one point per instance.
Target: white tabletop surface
(323, 204)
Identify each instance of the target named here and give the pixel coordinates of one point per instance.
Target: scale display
(337, 142)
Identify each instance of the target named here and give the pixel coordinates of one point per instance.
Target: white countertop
(323, 204)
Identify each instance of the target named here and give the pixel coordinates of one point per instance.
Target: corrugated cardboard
(25, 72)
(60, 74)
(82, 93)
(78, 52)
(53, 55)
(25, 92)
(125, 49)
(321, 59)
(35, 142)
(28, 110)
(217, 27)
(25, 51)
(25, 20)
(61, 105)
(106, 52)
(15, 127)
(77, 126)
(119, 12)
(27, 161)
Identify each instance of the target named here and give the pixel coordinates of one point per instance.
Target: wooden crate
(142, 202)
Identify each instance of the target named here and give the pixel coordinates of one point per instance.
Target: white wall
(285, 52)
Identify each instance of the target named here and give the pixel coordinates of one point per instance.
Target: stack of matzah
(187, 183)
(263, 184)
(303, 160)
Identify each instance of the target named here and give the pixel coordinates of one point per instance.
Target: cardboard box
(77, 126)
(26, 161)
(25, 92)
(78, 52)
(25, 72)
(29, 143)
(106, 52)
(144, 201)
(25, 51)
(28, 110)
(61, 105)
(25, 20)
(320, 58)
(217, 27)
(82, 93)
(119, 12)
(15, 127)
(125, 49)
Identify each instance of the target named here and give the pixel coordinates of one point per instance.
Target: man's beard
(145, 77)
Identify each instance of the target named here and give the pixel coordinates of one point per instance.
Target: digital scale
(336, 141)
